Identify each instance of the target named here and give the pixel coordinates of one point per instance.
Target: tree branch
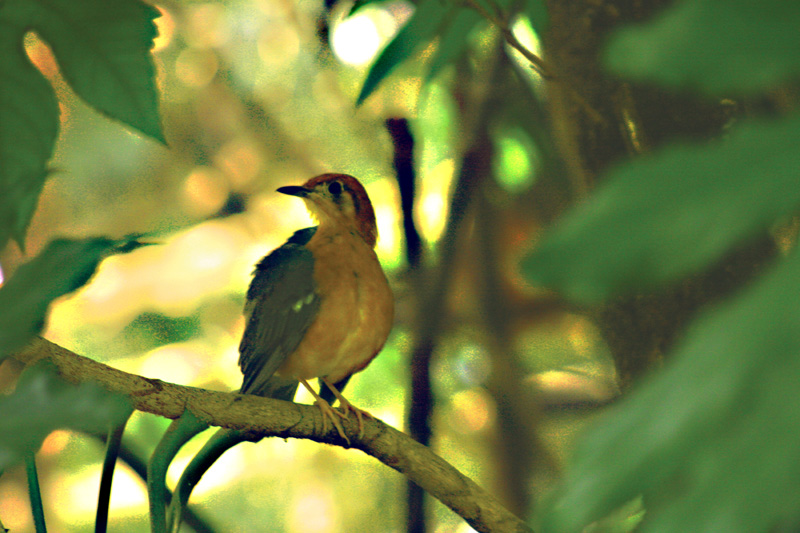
(537, 63)
(269, 417)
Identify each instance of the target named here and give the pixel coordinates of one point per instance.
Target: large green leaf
(718, 46)
(43, 402)
(62, 267)
(661, 217)
(420, 29)
(28, 130)
(711, 441)
(103, 50)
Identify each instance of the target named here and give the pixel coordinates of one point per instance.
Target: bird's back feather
(282, 302)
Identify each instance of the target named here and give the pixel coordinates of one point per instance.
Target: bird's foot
(347, 408)
(329, 412)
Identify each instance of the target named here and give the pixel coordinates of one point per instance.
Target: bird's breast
(355, 315)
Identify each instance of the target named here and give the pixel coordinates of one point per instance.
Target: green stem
(35, 494)
(179, 432)
(110, 461)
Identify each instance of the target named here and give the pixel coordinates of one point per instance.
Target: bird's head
(338, 199)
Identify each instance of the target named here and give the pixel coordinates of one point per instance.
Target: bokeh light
(514, 162)
(472, 411)
(206, 25)
(196, 67)
(278, 45)
(14, 506)
(433, 200)
(241, 160)
(205, 191)
(526, 35)
(356, 40)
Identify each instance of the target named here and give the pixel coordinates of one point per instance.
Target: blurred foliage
(709, 441)
(691, 204)
(43, 402)
(717, 46)
(150, 330)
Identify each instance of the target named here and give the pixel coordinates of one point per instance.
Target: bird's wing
(282, 302)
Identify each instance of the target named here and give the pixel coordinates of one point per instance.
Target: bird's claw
(347, 408)
(329, 412)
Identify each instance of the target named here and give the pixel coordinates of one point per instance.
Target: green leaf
(360, 4)
(43, 402)
(661, 217)
(717, 46)
(28, 130)
(454, 40)
(711, 441)
(103, 51)
(62, 267)
(536, 10)
(420, 29)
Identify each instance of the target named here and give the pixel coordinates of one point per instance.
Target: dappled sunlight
(78, 494)
(312, 508)
(172, 278)
(176, 363)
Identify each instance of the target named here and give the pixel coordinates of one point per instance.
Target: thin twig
(537, 63)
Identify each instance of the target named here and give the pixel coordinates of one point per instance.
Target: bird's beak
(294, 190)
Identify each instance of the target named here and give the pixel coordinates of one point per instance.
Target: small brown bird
(320, 305)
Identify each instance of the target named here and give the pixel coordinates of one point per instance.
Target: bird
(319, 306)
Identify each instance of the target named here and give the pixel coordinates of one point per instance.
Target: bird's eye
(335, 188)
